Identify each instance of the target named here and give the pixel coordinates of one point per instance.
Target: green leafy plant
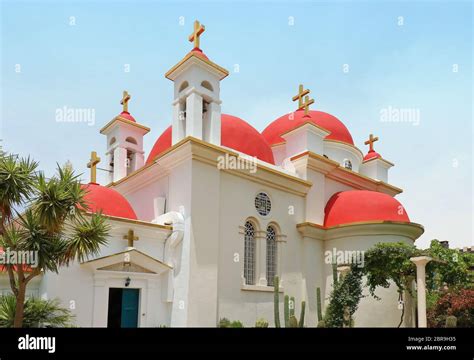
(261, 323)
(387, 262)
(450, 268)
(236, 324)
(224, 323)
(37, 313)
(44, 216)
(344, 299)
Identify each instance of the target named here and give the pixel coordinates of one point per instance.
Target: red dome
(362, 205)
(372, 154)
(287, 122)
(107, 200)
(126, 115)
(235, 133)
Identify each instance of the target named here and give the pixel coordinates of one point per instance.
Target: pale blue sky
(399, 54)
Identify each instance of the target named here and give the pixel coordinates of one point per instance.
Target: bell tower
(196, 104)
(124, 143)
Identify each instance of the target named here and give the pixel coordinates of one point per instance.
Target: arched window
(207, 85)
(131, 140)
(347, 164)
(112, 141)
(183, 86)
(249, 254)
(271, 255)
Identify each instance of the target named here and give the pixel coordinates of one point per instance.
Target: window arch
(131, 140)
(183, 86)
(347, 164)
(249, 253)
(207, 85)
(112, 141)
(271, 255)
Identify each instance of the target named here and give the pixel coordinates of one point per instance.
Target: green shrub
(236, 324)
(38, 313)
(261, 323)
(224, 323)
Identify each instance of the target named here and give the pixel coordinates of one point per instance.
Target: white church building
(202, 224)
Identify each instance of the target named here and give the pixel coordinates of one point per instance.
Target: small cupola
(124, 143)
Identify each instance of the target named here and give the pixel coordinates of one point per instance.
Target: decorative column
(420, 262)
(194, 115)
(120, 163)
(214, 111)
(260, 258)
(280, 241)
(179, 122)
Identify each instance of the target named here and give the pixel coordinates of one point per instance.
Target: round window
(263, 204)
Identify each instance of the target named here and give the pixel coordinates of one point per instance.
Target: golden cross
(198, 30)
(92, 164)
(125, 100)
(371, 141)
(299, 97)
(307, 103)
(130, 237)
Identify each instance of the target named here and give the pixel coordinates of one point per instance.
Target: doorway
(123, 308)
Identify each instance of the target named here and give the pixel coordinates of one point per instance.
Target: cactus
(286, 313)
(451, 321)
(293, 322)
(334, 273)
(261, 323)
(292, 306)
(319, 307)
(276, 301)
(303, 307)
(321, 324)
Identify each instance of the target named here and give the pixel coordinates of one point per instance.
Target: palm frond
(87, 238)
(17, 180)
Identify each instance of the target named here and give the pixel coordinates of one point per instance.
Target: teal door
(129, 318)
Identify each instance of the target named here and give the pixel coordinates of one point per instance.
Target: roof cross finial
(306, 104)
(125, 99)
(92, 164)
(301, 94)
(198, 30)
(371, 141)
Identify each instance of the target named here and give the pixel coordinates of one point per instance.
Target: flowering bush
(458, 303)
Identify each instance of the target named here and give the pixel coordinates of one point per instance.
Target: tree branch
(11, 275)
(33, 274)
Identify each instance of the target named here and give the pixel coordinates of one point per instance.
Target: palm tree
(37, 313)
(44, 216)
